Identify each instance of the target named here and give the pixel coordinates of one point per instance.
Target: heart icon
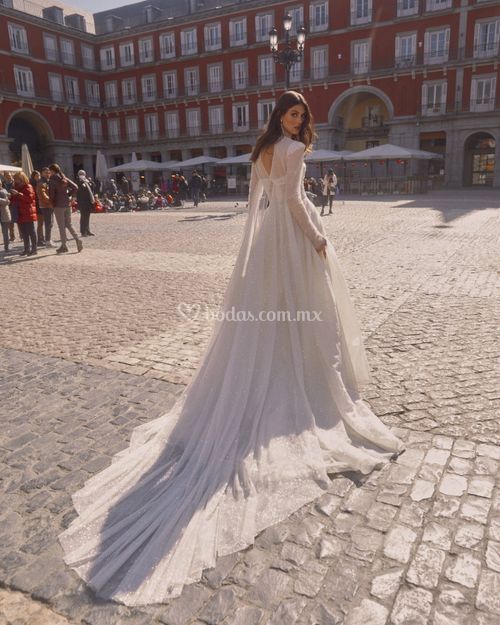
(189, 311)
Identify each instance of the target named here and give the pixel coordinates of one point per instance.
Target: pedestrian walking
(42, 191)
(27, 217)
(329, 186)
(195, 184)
(34, 179)
(5, 216)
(85, 198)
(8, 183)
(59, 186)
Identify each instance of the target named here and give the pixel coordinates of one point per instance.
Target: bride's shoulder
(293, 145)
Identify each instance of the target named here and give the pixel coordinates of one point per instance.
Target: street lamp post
(288, 56)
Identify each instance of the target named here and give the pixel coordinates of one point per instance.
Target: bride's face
(293, 119)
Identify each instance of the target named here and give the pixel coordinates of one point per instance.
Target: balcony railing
(406, 8)
(441, 55)
(408, 60)
(360, 17)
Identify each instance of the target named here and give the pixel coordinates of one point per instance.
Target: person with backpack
(85, 198)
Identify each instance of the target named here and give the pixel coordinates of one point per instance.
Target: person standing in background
(26, 205)
(42, 191)
(85, 199)
(34, 180)
(195, 184)
(5, 217)
(329, 186)
(8, 183)
(59, 185)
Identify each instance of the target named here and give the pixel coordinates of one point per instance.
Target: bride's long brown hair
(273, 131)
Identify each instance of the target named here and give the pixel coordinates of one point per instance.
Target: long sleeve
(256, 189)
(294, 182)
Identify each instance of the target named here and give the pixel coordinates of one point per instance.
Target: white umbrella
(243, 159)
(141, 165)
(26, 164)
(10, 168)
(323, 156)
(101, 166)
(388, 151)
(196, 162)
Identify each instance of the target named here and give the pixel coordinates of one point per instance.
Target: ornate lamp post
(288, 56)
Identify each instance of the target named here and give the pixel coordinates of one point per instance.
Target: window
(111, 93)
(407, 7)
(238, 32)
(213, 37)
(129, 91)
(263, 24)
(240, 74)
(193, 124)
(360, 57)
(361, 11)
(319, 63)
(189, 43)
(56, 87)
(132, 126)
(72, 89)
(215, 82)
(107, 58)
(482, 95)
(438, 5)
(50, 47)
(126, 54)
(93, 93)
(24, 81)
(240, 117)
(170, 84)
(148, 84)
(318, 16)
(114, 134)
(216, 119)
(151, 125)
(67, 52)
(297, 15)
(406, 50)
(167, 45)
(146, 50)
(96, 130)
(172, 123)
(434, 98)
(297, 71)
(266, 70)
(18, 39)
(192, 81)
(78, 132)
(88, 56)
(486, 38)
(436, 46)
(264, 110)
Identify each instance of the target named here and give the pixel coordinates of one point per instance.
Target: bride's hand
(322, 250)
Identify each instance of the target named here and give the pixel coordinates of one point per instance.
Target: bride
(273, 408)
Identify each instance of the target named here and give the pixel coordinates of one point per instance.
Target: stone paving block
(463, 569)
(368, 612)
(475, 509)
(488, 594)
(469, 535)
(412, 605)
(386, 585)
(425, 567)
(398, 543)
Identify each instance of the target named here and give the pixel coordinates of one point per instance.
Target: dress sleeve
(256, 189)
(294, 180)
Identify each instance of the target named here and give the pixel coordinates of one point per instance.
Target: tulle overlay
(272, 409)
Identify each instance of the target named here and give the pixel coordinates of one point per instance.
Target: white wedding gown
(271, 410)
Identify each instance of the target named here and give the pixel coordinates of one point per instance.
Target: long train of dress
(272, 409)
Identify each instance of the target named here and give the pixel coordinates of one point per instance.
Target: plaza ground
(93, 344)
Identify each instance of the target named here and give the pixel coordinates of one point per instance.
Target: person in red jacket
(26, 203)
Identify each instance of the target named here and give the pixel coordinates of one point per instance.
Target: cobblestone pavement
(93, 344)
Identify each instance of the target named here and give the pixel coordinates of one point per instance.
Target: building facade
(182, 78)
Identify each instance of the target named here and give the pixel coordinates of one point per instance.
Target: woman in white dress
(273, 408)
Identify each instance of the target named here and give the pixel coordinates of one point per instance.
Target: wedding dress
(272, 409)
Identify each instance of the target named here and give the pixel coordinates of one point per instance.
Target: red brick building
(172, 79)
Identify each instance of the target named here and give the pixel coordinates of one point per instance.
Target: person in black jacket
(85, 199)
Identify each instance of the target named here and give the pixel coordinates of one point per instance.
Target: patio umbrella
(323, 156)
(10, 168)
(101, 167)
(390, 152)
(26, 164)
(142, 165)
(195, 162)
(243, 159)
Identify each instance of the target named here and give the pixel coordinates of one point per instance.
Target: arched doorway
(360, 118)
(31, 128)
(479, 160)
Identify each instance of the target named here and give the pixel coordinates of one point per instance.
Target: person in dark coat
(195, 185)
(26, 205)
(85, 199)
